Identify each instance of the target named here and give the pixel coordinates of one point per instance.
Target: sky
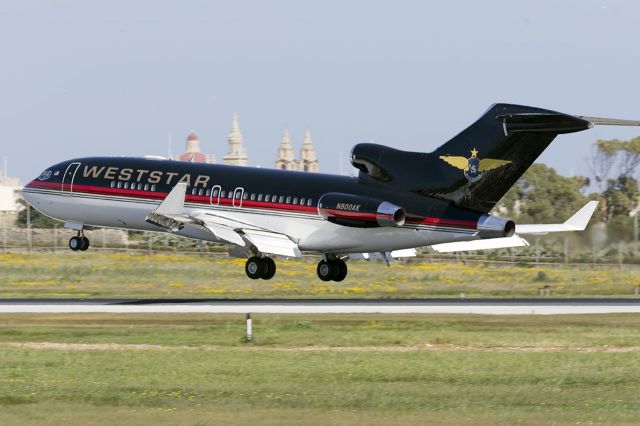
(89, 78)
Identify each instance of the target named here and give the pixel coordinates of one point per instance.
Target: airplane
(399, 201)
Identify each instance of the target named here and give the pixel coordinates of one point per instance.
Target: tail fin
(479, 165)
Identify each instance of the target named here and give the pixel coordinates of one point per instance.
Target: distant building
(286, 160)
(9, 193)
(193, 153)
(308, 157)
(237, 154)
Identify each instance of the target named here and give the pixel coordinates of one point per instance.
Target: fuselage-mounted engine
(358, 211)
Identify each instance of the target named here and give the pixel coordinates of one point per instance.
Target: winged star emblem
(473, 167)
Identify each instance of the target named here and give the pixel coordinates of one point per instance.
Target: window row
(221, 193)
(133, 185)
(268, 198)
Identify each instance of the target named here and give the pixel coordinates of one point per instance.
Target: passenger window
(259, 197)
(200, 191)
(222, 193)
(153, 187)
(208, 192)
(281, 200)
(302, 200)
(309, 202)
(245, 196)
(295, 200)
(215, 192)
(133, 185)
(126, 185)
(113, 183)
(237, 195)
(253, 197)
(267, 198)
(146, 186)
(119, 185)
(288, 200)
(193, 191)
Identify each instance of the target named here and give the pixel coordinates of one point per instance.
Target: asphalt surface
(491, 306)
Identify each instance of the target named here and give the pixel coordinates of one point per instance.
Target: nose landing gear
(80, 242)
(260, 267)
(332, 270)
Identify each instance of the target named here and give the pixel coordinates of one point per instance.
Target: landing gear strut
(332, 269)
(79, 242)
(260, 267)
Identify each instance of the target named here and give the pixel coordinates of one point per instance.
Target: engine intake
(359, 211)
(495, 227)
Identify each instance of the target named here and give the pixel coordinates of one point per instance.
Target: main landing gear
(80, 242)
(332, 269)
(260, 267)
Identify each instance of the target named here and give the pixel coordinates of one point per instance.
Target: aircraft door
(69, 176)
(237, 197)
(215, 195)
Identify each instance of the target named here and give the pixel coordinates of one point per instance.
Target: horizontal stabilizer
(597, 121)
(577, 222)
(487, 244)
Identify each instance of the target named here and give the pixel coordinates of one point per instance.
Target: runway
(521, 306)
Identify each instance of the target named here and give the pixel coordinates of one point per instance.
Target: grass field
(94, 274)
(85, 369)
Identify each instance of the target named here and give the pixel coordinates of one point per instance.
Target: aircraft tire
(85, 243)
(326, 270)
(75, 243)
(341, 270)
(270, 268)
(255, 267)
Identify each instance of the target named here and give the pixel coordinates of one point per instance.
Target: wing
(491, 163)
(577, 222)
(456, 161)
(170, 216)
(246, 235)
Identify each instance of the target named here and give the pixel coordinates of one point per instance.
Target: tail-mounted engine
(495, 227)
(359, 211)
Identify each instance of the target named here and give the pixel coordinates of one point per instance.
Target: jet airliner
(399, 201)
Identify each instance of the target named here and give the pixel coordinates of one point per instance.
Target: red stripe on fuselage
(205, 200)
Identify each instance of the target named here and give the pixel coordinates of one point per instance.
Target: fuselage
(119, 192)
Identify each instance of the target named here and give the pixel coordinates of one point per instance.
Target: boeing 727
(398, 202)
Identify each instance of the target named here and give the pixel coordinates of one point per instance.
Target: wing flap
(272, 243)
(487, 244)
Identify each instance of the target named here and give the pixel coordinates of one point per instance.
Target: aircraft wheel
(255, 267)
(85, 243)
(270, 268)
(341, 270)
(75, 243)
(326, 270)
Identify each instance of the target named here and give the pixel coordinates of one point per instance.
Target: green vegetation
(93, 274)
(301, 370)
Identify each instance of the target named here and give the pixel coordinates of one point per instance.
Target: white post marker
(249, 328)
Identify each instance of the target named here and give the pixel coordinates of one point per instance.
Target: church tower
(286, 159)
(237, 155)
(308, 157)
(192, 151)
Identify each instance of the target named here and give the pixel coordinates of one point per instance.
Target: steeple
(237, 155)
(308, 157)
(286, 159)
